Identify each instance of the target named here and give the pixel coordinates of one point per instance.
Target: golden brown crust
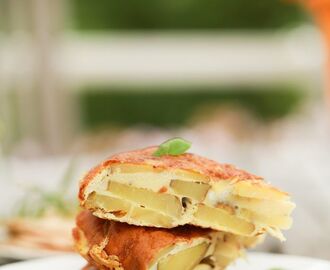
(189, 162)
(114, 245)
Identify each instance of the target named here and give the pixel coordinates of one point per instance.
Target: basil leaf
(174, 147)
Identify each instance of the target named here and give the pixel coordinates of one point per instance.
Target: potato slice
(258, 191)
(144, 176)
(112, 205)
(186, 259)
(164, 203)
(191, 176)
(160, 254)
(282, 222)
(224, 261)
(228, 250)
(194, 190)
(121, 208)
(222, 220)
(151, 218)
(251, 241)
(263, 207)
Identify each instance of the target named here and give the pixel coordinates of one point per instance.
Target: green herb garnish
(174, 147)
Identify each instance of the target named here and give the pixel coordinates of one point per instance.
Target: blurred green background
(58, 103)
(186, 14)
(150, 105)
(174, 106)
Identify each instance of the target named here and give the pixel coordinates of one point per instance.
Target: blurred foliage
(3, 16)
(172, 107)
(38, 202)
(185, 14)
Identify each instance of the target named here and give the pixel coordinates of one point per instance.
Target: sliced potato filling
(221, 251)
(186, 259)
(258, 191)
(223, 220)
(194, 190)
(282, 222)
(121, 210)
(230, 249)
(150, 217)
(107, 203)
(224, 261)
(178, 197)
(162, 202)
(263, 207)
(161, 254)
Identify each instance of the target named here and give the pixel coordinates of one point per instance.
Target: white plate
(256, 261)
(24, 253)
(263, 261)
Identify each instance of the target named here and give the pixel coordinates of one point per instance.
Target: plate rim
(76, 256)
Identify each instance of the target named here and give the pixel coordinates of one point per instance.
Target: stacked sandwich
(161, 208)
